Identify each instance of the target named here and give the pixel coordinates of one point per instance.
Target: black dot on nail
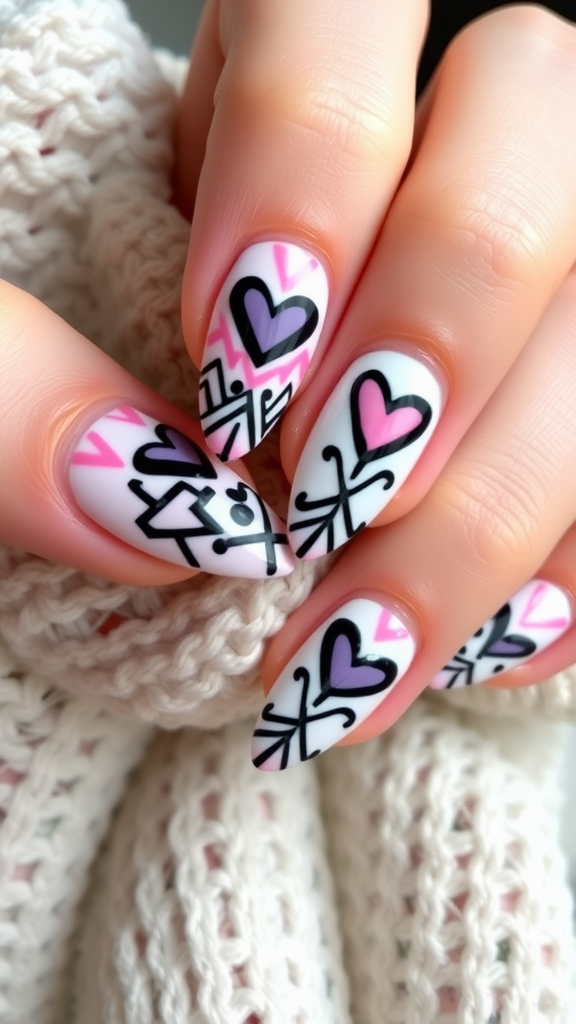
(219, 546)
(479, 631)
(462, 650)
(499, 668)
(242, 515)
(236, 387)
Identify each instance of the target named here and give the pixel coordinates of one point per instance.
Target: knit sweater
(148, 873)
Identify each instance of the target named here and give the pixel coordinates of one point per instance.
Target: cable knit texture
(414, 880)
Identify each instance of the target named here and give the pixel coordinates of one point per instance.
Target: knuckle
(362, 125)
(537, 30)
(494, 521)
(496, 234)
(544, 27)
(344, 114)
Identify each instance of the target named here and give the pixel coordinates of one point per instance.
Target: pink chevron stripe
(126, 414)
(534, 601)
(251, 378)
(290, 280)
(104, 456)
(389, 627)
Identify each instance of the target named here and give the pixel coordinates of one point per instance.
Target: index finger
(312, 126)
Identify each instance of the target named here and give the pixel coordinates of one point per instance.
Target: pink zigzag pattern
(290, 280)
(252, 379)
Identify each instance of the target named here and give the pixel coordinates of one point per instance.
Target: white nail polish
(367, 439)
(263, 333)
(534, 618)
(160, 492)
(339, 677)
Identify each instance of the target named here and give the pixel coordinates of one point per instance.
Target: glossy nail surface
(367, 439)
(160, 492)
(534, 618)
(339, 676)
(263, 332)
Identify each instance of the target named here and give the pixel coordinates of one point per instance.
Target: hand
(439, 403)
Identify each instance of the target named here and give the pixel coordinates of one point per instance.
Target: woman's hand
(438, 408)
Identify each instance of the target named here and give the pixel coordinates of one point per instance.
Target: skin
(451, 228)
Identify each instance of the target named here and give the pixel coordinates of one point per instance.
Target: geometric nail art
(159, 491)
(367, 439)
(534, 618)
(264, 330)
(338, 677)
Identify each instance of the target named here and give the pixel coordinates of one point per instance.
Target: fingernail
(367, 439)
(339, 676)
(531, 620)
(159, 491)
(262, 336)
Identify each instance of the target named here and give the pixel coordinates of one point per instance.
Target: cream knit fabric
(414, 880)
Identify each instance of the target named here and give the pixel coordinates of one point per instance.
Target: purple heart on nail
(175, 455)
(343, 672)
(501, 644)
(267, 331)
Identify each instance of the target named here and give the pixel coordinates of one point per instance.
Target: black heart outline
(347, 628)
(154, 467)
(246, 331)
(498, 632)
(366, 454)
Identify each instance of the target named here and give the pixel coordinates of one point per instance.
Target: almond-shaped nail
(160, 492)
(263, 333)
(367, 439)
(534, 618)
(340, 675)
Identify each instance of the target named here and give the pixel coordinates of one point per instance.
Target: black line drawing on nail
(293, 726)
(178, 455)
(271, 408)
(221, 407)
(498, 645)
(343, 672)
(338, 502)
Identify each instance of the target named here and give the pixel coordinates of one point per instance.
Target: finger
(100, 473)
(312, 127)
(196, 108)
(532, 636)
(402, 599)
(478, 239)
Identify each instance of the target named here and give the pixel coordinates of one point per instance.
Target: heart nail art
(343, 672)
(268, 331)
(367, 439)
(174, 455)
(535, 617)
(339, 676)
(382, 425)
(159, 491)
(263, 332)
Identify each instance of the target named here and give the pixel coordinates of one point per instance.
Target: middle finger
(479, 238)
